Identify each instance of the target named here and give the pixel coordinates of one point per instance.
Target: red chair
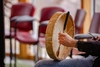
(79, 20)
(21, 9)
(94, 29)
(46, 14)
(17, 10)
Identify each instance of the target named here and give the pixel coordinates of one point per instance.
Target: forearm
(92, 48)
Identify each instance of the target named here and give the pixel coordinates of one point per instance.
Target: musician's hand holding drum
(66, 40)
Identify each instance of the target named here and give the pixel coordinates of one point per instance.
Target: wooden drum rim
(55, 26)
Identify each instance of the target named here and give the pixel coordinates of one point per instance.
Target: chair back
(47, 12)
(21, 9)
(95, 23)
(79, 20)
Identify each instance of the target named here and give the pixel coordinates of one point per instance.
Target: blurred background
(26, 54)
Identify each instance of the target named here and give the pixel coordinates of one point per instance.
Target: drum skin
(55, 25)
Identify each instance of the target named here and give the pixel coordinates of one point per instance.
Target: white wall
(69, 5)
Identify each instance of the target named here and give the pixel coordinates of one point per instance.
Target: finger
(94, 38)
(61, 42)
(61, 39)
(98, 38)
(61, 34)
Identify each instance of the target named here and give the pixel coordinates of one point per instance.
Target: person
(92, 48)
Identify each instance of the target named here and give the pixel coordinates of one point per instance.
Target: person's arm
(90, 47)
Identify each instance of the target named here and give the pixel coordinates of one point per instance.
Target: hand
(96, 38)
(66, 40)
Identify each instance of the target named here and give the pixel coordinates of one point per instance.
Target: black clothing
(91, 48)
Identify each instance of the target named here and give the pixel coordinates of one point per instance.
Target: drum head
(55, 25)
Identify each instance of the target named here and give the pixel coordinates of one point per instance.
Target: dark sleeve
(91, 47)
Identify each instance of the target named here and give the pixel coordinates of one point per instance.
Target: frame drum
(55, 25)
